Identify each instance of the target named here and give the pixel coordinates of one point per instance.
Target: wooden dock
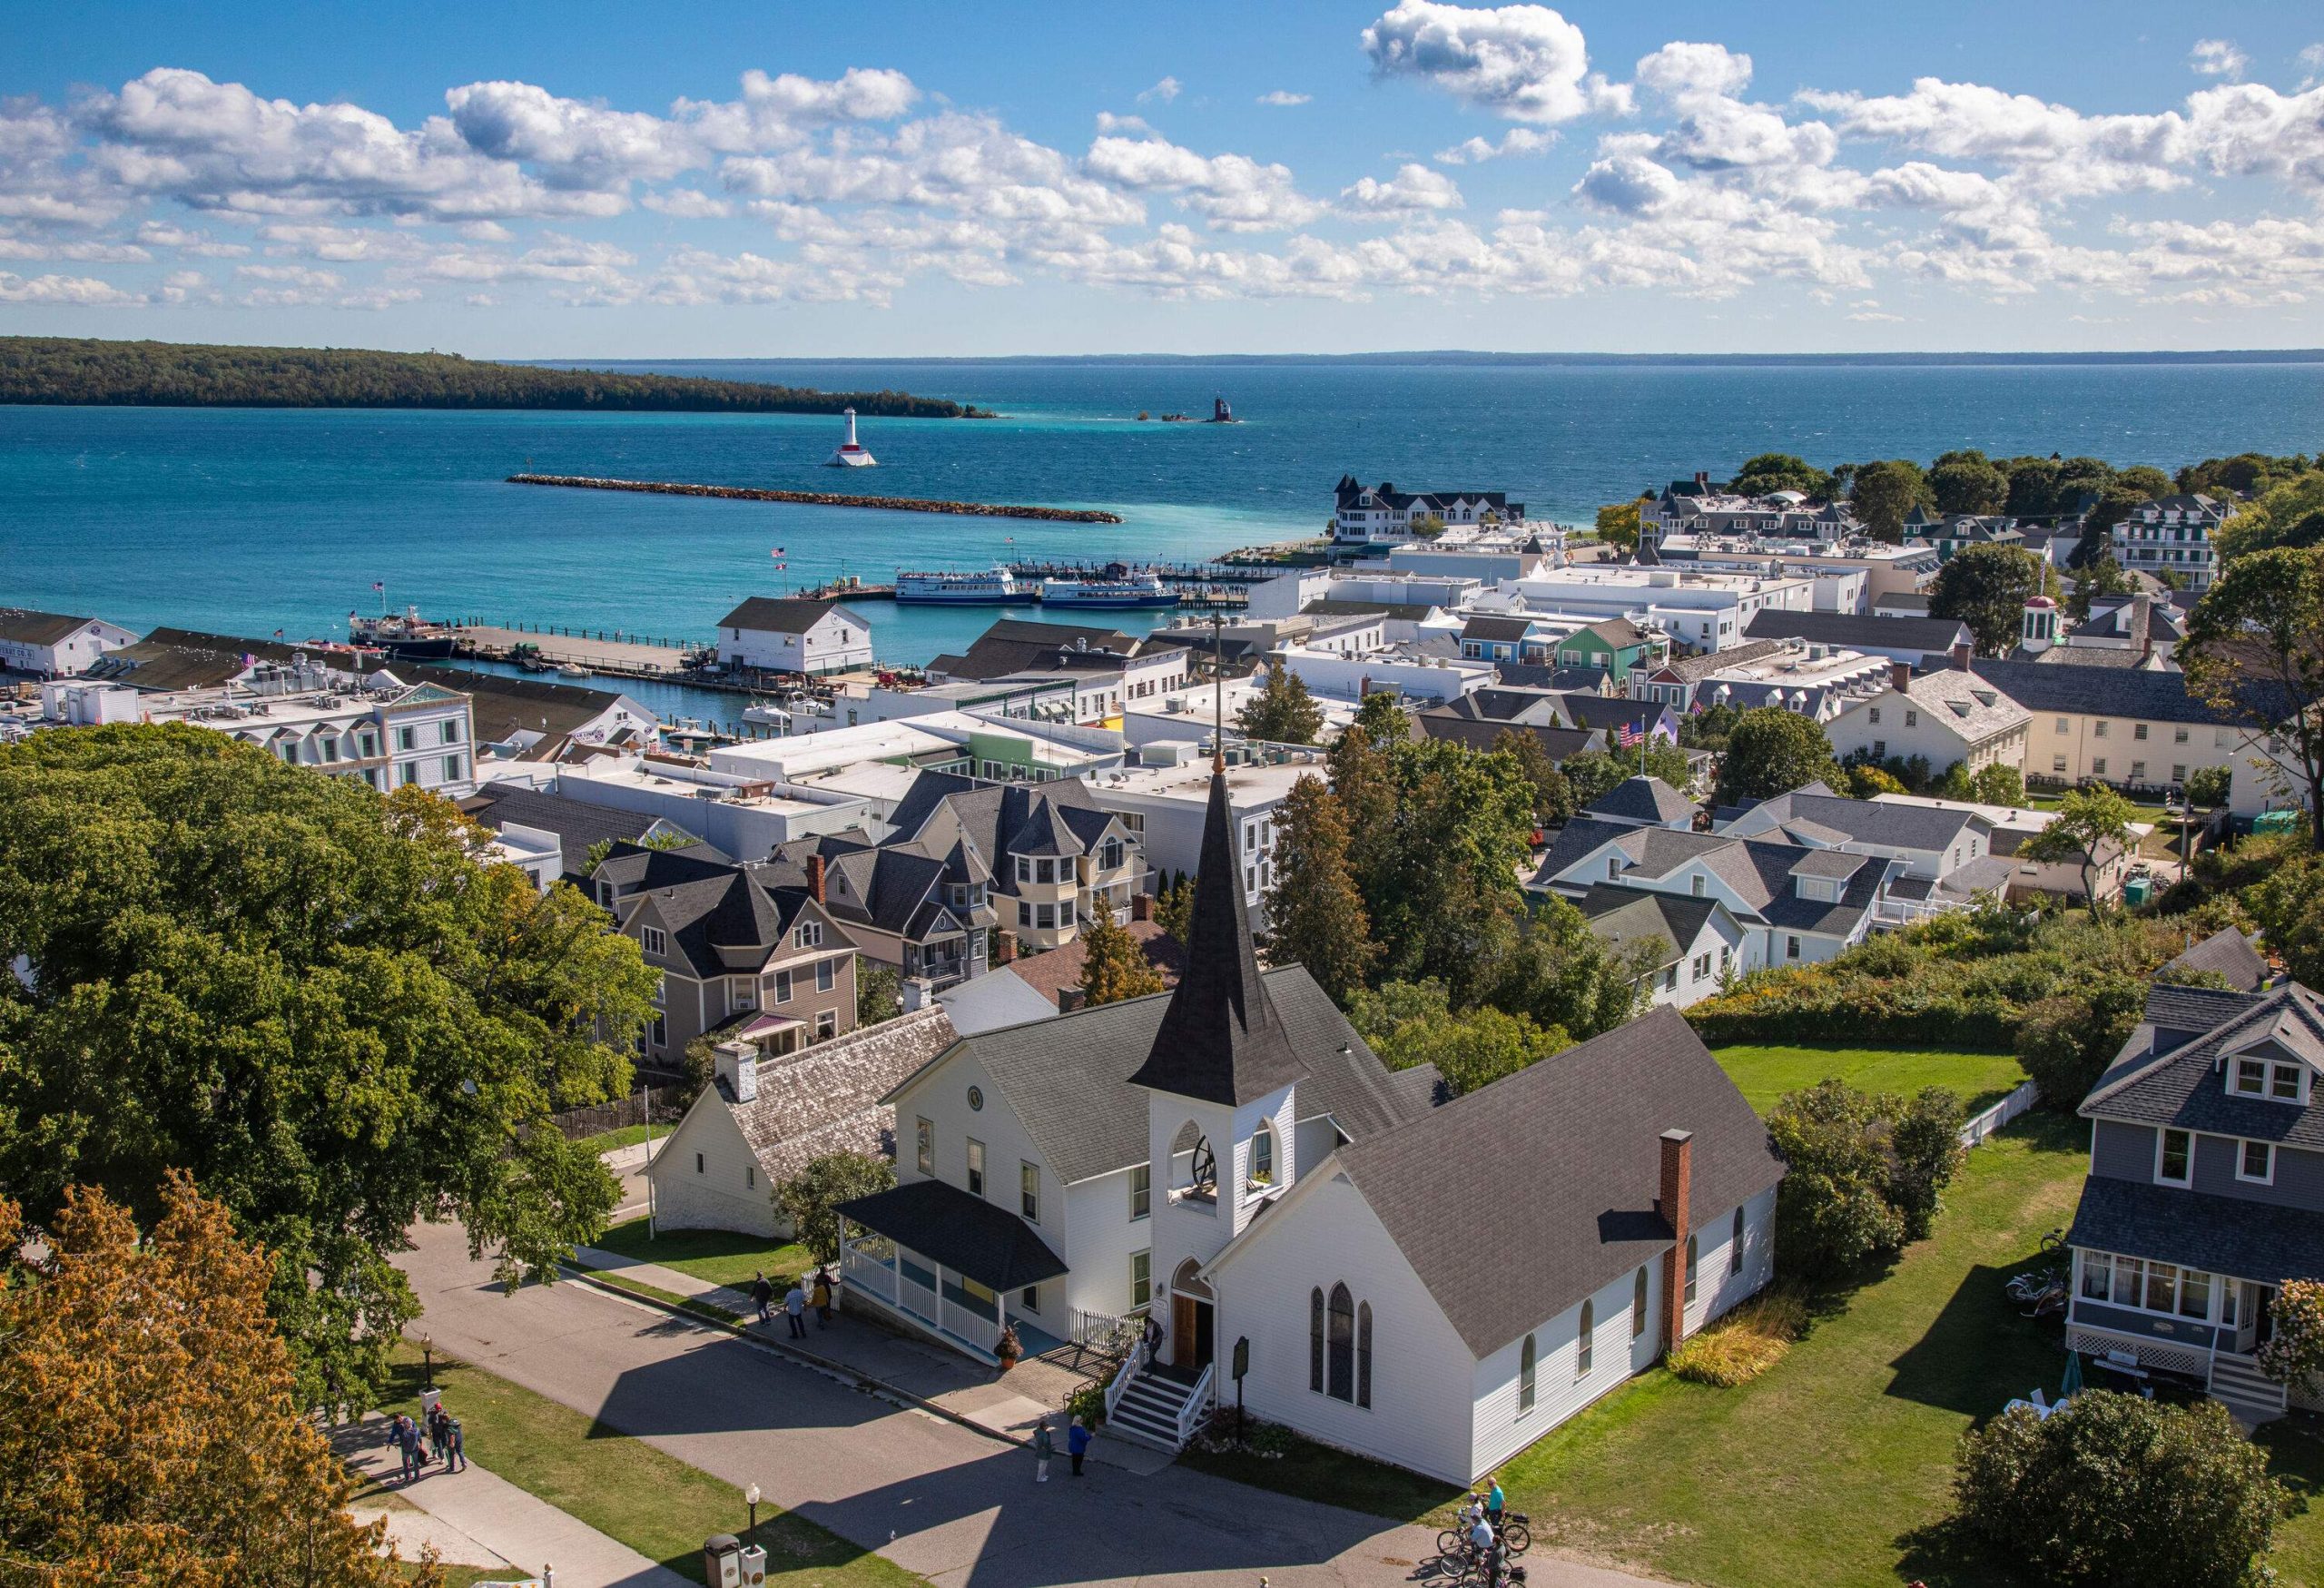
(615, 653)
(816, 498)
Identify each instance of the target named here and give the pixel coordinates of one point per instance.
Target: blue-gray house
(2206, 1187)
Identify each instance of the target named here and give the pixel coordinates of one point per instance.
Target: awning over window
(966, 1234)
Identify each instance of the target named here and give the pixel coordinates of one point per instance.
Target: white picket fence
(2000, 1114)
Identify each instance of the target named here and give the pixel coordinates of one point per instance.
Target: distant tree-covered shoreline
(89, 372)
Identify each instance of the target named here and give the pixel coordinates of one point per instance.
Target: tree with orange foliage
(149, 1431)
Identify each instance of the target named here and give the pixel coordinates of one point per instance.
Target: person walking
(795, 1308)
(763, 1294)
(439, 1438)
(1077, 1444)
(1043, 1448)
(821, 1298)
(406, 1435)
(459, 1455)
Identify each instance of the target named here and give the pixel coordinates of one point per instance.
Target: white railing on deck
(876, 1277)
(2000, 1114)
(1198, 1406)
(1118, 1383)
(981, 1332)
(917, 1298)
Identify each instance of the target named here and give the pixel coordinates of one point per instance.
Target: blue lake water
(250, 520)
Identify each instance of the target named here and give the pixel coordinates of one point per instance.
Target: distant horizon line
(1456, 356)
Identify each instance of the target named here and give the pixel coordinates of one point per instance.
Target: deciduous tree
(323, 1004)
(877, 992)
(1773, 471)
(1968, 482)
(1986, 586)
(1282, 712)
(1883, 493)
(1114, 965)
(1552, 795)
(1770, 752)
(2090, 824)
(809, 1200)
(1617, 525)
(152, 1427)
(2255, 650)
(1316, 916)
(2120, 1491)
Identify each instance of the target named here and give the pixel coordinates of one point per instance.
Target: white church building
(1431, 1283)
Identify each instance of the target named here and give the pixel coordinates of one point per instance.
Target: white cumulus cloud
(1525, 63)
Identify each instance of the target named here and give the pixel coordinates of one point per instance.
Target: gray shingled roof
(2193, 1009)
(1557, 744)
(2185, 1086)
(579, 826)
(2132, 694)
(1068, 1078)
(1620, 917)
(26, 626)
(781, 615)
(1500, 1250)
(966, 1234)
(2231, 953)
(1860, 631)
(827, 1098)
(2234, 1236)
(1757, 870)
(1643, 799)
(1891, 823)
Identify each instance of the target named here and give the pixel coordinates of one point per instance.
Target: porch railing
(1196, 1406)
(917, 1298)
(1119, 1382)
(869, 1273)
(968, 1325)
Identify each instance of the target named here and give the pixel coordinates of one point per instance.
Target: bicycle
(1512, 1534)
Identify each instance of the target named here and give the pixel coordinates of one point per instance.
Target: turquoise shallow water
(253, 521)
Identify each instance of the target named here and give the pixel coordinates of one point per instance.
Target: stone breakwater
(816, 498)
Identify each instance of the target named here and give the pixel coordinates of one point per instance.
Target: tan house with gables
(766, 965)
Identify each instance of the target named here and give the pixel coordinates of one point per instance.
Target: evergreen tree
(1552, 795)
(154, 1428)
(1174, 909)
(1315, 914)
(1114, 965)
(1282, 712)
(1362, 782)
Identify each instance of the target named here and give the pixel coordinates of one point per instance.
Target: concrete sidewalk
(934, 1498)
(1007, 1405)
(481, 1519)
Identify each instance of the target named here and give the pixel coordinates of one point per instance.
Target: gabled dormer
(2276, 1062)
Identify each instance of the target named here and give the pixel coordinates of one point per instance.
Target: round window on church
(976, 1098)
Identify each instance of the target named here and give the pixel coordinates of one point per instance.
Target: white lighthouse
(850, 453)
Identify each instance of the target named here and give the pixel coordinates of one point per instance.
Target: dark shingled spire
(1220, 1040)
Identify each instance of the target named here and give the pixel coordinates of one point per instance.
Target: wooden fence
(648, 1105)
(2000, 1114)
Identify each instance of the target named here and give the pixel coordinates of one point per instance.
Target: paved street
(949, 1504)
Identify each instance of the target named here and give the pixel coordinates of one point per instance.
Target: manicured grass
(718, 1256)
(627, 1136)
(1765, 1073)
(615, 1279)
(1832, 1468)
(626, 1489)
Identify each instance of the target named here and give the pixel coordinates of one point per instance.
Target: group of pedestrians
(820, 1292)
(1077, 1446)
(437, 1439)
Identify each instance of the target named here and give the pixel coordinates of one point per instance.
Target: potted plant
(1008, 1347)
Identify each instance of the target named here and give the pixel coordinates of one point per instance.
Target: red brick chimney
(1962, 655)
(1141, 906)
(1676, 1205)
(1004, 949)
(1702, 478)
(815, 878)
(1900, 676)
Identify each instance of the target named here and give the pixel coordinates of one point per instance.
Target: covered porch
(945, 1263)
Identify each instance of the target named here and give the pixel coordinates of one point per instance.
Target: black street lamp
(751, 1498)
(428, 1357)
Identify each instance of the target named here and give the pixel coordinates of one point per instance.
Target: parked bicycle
(1514, 1536)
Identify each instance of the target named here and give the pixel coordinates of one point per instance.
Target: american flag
(778, 554)
(1627, 735)
(379, 586)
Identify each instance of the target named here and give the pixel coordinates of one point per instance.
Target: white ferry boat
(1145, 590)
(406, 636)
(995, 586)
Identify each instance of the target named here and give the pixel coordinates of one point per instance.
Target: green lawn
(627, 1136)
(1827, 1470)
(1765, 1073)
(718, 1255)
(653, 1502)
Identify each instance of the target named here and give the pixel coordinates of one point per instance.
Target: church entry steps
(1150, 1409)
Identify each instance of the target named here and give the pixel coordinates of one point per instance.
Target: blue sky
(706, 180)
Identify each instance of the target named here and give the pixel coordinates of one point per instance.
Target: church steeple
(1221, 1039)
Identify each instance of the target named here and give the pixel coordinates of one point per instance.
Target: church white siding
(1503, 1426)
(1104, 1236)
(1718, 1286)
(1419, 1415)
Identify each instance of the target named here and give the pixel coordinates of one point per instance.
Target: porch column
(1000, 1314)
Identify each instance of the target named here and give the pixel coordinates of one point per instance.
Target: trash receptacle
(721, 1561)
(754, 1560)
(428, 1401)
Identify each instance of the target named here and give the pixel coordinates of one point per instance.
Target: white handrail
(1120, 1382)
(1196, 1406)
